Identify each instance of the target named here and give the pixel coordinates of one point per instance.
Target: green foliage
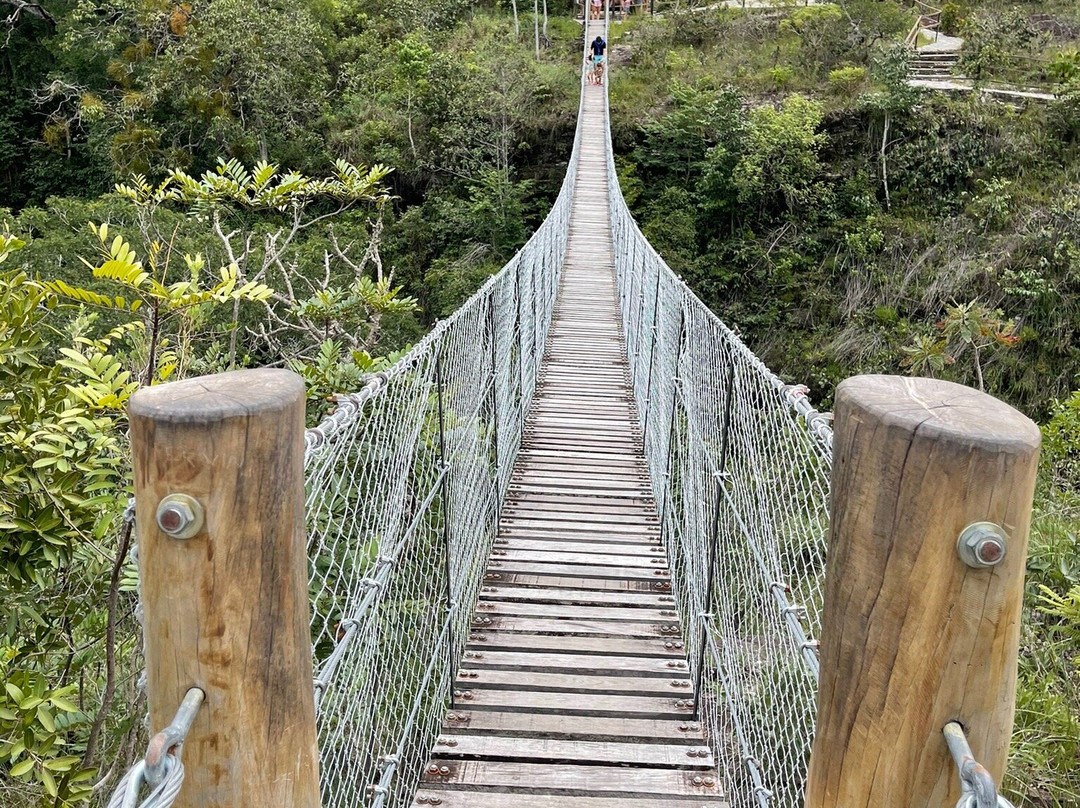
(966, 326)
(781, 157)
(847, 81)
(991, 39)
(781, 77)
(953, 17)
(1065, 65)
(1061, 445)
(35, 722)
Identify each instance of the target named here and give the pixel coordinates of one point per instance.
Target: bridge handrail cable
(739, 462)
(405, 483)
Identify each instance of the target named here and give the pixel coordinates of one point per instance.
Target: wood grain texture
(227, 610)
(912, 637)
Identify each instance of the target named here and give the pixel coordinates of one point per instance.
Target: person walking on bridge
(598, 46)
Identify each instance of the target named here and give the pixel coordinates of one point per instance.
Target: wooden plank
(677, 684)
(555, 504)
(636, 517)
(500, 576)
(580, 570)
(597, 728)
(645, 547)
(480, 640)
(541, 662)
(573, 626)
(641, 531)
(509, 553)
(558, 750)
(585, 597)
(577, 704)
(570, 611)
(574, 780)
(482, 799)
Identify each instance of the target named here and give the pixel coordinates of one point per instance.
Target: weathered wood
(583, 705)
(583, 597)
(912, 637)
(580, 780)
(575, 626)
(480, 640)
(578, 584)
(585, 663)
(583, 570)
(510, 553)
(473, 678)
(555, 750)
(575, 611)
(554, 725)
(227, 610)
(481, 799)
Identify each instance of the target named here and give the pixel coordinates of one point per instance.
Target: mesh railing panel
(739, 464)
(405, 482)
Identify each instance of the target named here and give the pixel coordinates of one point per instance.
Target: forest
(192, 186)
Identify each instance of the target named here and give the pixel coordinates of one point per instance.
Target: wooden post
(912, 637)
(227, 609)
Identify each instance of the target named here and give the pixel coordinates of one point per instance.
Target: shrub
(1061, 444)
(781, 76)
(847, 81)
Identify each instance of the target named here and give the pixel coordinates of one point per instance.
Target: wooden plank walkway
(574, 691)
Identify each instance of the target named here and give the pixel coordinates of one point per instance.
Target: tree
(992, 38)
(895, 97)
(966, 326)
(781, 154)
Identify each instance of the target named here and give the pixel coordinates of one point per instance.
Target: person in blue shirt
(598, 46)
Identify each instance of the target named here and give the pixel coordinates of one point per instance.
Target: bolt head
(180, 516)
(982, 545)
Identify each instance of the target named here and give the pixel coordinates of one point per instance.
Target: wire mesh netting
(404, 483)
(739, 463)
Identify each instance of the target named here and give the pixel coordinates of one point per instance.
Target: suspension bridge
(570, 551)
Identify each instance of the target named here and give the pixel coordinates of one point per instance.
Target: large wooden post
(226, 609)
(912, 636)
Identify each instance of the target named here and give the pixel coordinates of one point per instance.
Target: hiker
(596, 8)
(598, 46)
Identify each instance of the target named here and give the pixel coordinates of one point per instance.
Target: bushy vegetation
(190, 187)
(847, 222)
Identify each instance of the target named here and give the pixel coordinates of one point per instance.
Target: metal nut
(982, 545)
(180, 516)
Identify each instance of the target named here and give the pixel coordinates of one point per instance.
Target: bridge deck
(574, 685)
